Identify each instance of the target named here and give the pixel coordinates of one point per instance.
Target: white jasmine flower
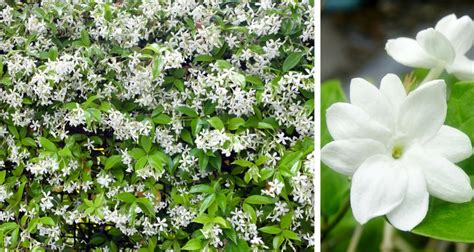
(443, 47)
(397, 150)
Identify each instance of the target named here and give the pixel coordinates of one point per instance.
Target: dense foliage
(156, 125)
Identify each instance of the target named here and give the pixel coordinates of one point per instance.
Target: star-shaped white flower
(397, 150)
(443, 47)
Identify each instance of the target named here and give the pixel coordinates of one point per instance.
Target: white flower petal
(345, 156)
(366, 96)
(378, 186)
(408, 52)
(450, 143)
(392, 87)
(436, 45)
(414, 206)
(462, 68)
(423, 112)
(444, 179)
(460, 32)
(346, 121)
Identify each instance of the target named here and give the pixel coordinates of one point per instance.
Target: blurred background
(354, 32)
(353, 37)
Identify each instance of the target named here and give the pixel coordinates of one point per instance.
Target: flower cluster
(156, 125)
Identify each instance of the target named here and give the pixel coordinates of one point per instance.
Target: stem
(387, 242)
(355, 239)
(336, 220)
(433, 74)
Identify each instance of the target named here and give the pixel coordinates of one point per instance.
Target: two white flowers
(394, 145)
(443, 47)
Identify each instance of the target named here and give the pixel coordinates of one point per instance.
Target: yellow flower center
(397, 151)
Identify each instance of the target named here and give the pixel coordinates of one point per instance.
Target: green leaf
(223, 64)
(157, 67)
(136, 153)
(250, 211)
(203, 58)
(193, 244)
(47, 221)
(107, 12)
(201, 189)
(271, 229)
(288, 164)
(146, 206)
(243, 163)
(112, 161)
(264, 125)
(47, 144)
(85, 38)
(141, 163)
(290, 235)
(162, 119)
(145, 142)
(231, 234)
(126, 197)
(2, 176)
(156, 162)
(259, 199)
(448, 221)
(285, 221)
(235, 123)
(216, 122)
(186, 136)
(221, 221)
(187, 111)
(207, 202)
(292, 60)
(98, 238)
(28, 141)
(202, 219)
(277, 241)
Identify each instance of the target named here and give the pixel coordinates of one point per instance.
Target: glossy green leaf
(187, 111)
(270, 229)
(112, 161)
(47, 144)
(292, 60)
(126, 197)
(193, 244)
(259, 199)
(216, 122)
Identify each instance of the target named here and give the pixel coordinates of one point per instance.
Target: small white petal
(378, 186)
(408, 52)
(345, 156)
(462, 68)
(460, 32)
(444, 179)
(423, 112)
(414, 206)
(369, 98)
(436, 45)
(450, 143)
(392, 87)
(346, 121)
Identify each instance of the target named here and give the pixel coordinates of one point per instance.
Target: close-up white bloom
(443, 47)
(396, 150)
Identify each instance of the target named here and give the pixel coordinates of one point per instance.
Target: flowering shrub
(406, 141)
(156, 125)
